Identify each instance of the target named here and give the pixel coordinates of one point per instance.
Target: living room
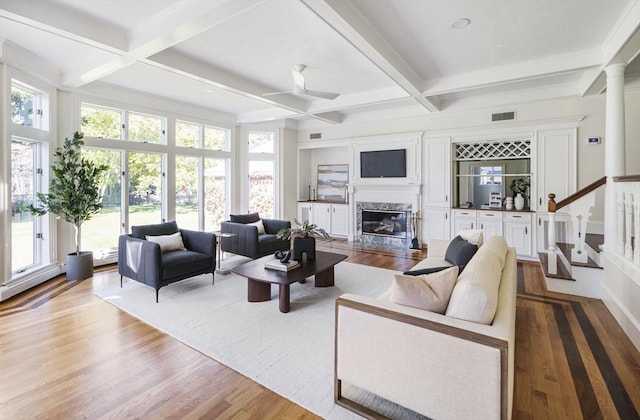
(119, 59)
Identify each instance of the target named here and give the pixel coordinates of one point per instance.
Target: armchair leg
(157, 291)
(121, 280)
(213, 277)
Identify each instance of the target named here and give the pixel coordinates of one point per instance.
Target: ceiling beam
(186, 66)
(177, 23)
(351, 26)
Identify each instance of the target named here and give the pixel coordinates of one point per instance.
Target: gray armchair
(246, 240)
(142, 260)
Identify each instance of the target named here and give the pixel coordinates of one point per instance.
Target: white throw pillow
(475, 295)
(473, 236)
(259, 225)
(168, 243)
(430, 292)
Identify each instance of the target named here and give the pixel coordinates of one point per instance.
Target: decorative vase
(508, 203)
(79, 266)
(519, 202)
(307, 246)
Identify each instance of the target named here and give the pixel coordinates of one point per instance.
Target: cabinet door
(463, 219)
(518, 235)
(437, 188)
(556, 166)
(490, 222)
(436, 224)
(322, 216)
(304, 212)
(339, 220)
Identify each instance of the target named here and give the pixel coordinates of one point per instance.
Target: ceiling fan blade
(284, 92)
(321, 94)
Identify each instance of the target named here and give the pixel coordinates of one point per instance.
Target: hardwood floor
(64, 353)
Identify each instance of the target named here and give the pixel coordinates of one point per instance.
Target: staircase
(576, 267)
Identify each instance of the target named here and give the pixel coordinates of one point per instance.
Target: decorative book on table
(277, 265)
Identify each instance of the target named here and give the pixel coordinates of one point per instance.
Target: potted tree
(303, 235)
(74, 195)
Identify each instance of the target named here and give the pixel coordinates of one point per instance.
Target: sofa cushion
(428, 270)
(168, 243)
(244, 218)
(459, 252)
(475, 295)
(430, 292)
(259, 225)
(166, 228)
(473, 236)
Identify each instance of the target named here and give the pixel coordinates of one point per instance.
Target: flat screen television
(383, 164)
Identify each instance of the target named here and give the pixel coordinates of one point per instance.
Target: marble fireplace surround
(384, 198)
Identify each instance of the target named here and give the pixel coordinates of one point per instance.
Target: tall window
(145, 188)
(261, 173)
(187, 176)
(100, 233)
(215, 192)
(25, 232)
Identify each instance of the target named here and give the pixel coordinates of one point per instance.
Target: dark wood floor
(64, 353)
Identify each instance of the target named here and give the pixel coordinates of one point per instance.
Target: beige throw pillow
(430, 292)
(259, 225)
(168, 243)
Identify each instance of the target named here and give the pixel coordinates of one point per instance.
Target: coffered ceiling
(385, 57)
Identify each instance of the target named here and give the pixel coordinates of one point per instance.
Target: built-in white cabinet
(518, 232)
(556, 165)
(436, 224)
(334, 218)
(490, 222)
(464, 219)
(437, 175)
(515, 227)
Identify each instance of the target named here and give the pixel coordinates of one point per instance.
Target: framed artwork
(332, 182)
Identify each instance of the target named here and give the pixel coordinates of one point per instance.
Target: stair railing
(579, 206)
(628, 221)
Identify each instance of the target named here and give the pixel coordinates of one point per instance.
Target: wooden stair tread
(566, 250)
(563, 273)
(594, 240)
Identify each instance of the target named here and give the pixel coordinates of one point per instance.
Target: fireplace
(384, 223)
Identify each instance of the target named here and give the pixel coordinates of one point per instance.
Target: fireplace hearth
(383, 224)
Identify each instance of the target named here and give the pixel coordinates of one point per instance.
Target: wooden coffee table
(260, 279)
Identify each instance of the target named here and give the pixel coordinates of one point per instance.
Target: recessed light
(209, 90)
(460, 23)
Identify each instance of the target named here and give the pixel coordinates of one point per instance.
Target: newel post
(551, 209)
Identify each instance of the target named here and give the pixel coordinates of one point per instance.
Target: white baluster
(552, 233)
(620, 222)
(636, 224)
(628, 251)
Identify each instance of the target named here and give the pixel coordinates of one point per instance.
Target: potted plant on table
(519, 187)
(303, 235)
(74, 195)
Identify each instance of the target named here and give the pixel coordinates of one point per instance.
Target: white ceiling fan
(299, 87)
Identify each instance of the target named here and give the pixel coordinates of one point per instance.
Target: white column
(614, 148)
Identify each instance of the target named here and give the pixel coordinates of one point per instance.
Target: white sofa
(437, 365)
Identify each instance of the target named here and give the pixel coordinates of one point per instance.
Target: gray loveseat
(143, 260)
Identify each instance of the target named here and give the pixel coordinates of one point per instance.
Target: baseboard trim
(630, 326)
(18, 286)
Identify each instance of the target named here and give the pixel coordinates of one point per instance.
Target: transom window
(28, 106)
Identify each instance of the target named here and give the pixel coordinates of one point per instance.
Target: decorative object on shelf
(74, 195)
(519, 187)
(508, 203)
(495, 200)
(332, 182)
(304, 241)
(519, 201)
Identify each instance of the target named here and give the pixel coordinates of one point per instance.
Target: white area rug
(291, 354)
